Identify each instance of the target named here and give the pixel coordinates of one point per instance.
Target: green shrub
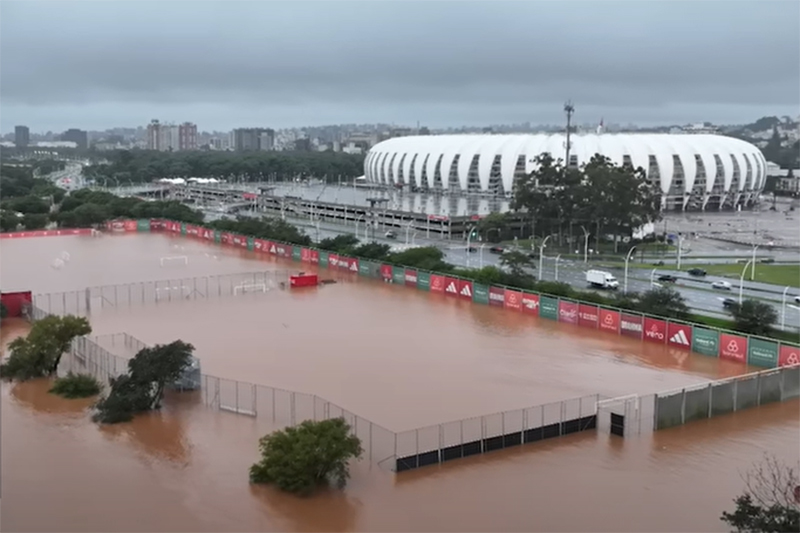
(76, 386)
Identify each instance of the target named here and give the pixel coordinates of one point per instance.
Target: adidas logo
(679, 338)
(353, 267)
(451, 288)
(466, 292)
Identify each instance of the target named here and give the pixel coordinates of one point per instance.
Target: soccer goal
(249, 287)
(170, 293)
(170, 260)
(96, 233)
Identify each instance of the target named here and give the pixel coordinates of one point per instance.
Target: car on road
(721, 285)
(390, 235)
(729, 303)
(797, 299)
(497, 249)
(472, 249)
(699, 272)
(667, 278)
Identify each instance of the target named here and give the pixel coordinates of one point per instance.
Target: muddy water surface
(395, 355)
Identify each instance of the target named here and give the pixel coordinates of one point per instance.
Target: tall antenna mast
(569, 109)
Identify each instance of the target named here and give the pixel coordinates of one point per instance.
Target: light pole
(586, 235)
(557, 258)
(783, 307)
(356, 224)
(741, 279)
(480, 255)
(408, 229)
(753, 267)
(680, 249)
(652, 277)
(541, 256)
(470, 229)
(627, 259)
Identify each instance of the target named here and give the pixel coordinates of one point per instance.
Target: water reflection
(328, 510)
(34, 395)
(160, 435)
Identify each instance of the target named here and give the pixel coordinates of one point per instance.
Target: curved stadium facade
(694, 172)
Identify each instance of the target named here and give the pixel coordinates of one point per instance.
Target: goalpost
(174, 259)
(249, 287)
(179, 291)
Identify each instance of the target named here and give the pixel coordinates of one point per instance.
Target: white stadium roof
(693, 171)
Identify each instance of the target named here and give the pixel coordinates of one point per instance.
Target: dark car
(497, 249)
(699, 272)
(471, 249)
(667, 278)
(729, 303)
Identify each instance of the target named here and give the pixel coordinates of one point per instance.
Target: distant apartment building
(187, 136)
(79, 137)
(22, 136)
(171, 138)
(253, 139)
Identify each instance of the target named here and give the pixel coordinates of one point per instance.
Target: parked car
(699, 272)
(497, 249)
(797, 299)
(667, 278)
(390, 235)
(729, 303)
(472, 249)
(721, 285)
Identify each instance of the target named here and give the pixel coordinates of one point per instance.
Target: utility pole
(569, 109)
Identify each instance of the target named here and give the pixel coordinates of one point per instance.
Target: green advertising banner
(297, 253)
(480, 294)
(424, 281)
(183, 228)
(251, 243)
(323, 259)
(548, 307)
(762, 353)
(369, 269)
(143, 224)
(217, 236)
(705, 341)
(398, 275)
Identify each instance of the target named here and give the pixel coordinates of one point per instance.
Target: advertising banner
(424, 281)
(530, 303)
(465, 289)
(789, 355)
(251, 242)
(705, 341)
(183, 228)
(349, 264)
(333, 261)
(131, 225)
(437, 283)
(143, 224)
(386, 272)
(513, 300)
(631, 325)
(679, 335)
(655, 330)
(548, 307)
(323, 258)
(261, 245)
(239, 241)
(156, 224)
(451, 286)
(398, 275)
(497, 296)
(194, 231)
(761, 352)
(733, 347)
(609, 320)
(313, 256)
(588, 315)
(227, 238)
(410, 278)
(568, 312)
(111, 225)
(369, 269)
(281, 250)
(480, 294)
(305, 255)
(217, 236)
(297, 253)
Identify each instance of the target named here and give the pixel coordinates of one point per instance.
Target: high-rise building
(154, 135)
(253, 139)
(167, 137)
(79, 137)
(187, 136)
(22, 136)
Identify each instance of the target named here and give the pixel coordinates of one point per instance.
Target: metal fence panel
(770, 387)
(284, 407)
(513, 421)
(406, 443)
(669, 410)
(452, 433)
(572, 408)
(492, 425)
(696, 404)
(723, 398)
(265, 402)
(303, 407)
(428, 438)
(746, 393)
(552, 413)
(227, 395)
(472, 429)
(791, 382)
(534, 416)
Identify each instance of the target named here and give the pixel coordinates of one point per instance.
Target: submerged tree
(301, 458)
(74, 386)
(142, 387)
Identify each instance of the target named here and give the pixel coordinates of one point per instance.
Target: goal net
(249, 287)
(174, 260)
(169, 293)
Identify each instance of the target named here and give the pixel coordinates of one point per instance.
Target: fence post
(416, 439)
(710, 399)
(780, 386)
(461, 433)
(655, 412)
(370, 435)
(273, 404)
(758, 387)
(735, 394)
(683, 406)
(503, 423)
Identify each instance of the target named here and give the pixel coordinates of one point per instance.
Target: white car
(721, 285)
(797, 299)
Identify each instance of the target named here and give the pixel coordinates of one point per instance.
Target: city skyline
(95, 65)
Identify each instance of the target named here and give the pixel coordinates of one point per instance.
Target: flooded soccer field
(399, 357)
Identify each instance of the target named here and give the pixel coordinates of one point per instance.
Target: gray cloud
(223, 64)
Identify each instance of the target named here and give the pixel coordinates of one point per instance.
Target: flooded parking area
(400, 357)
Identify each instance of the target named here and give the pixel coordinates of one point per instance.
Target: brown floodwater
(399, 357)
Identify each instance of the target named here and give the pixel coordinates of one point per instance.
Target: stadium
(694, 172)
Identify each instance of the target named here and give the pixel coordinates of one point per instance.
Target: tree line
(27, 200)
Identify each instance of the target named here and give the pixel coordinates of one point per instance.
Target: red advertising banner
(631, 325)
(497, 296)
(386, 272)
(305, 255)
(226, 238)
(568, 312)
(513, 299)
(131, 225)
(789, 355)
(733, 347)
(655, 330)
(465, 289)
(193, 231)
(411, 278)
(238, 240)
(349, 264)
(314, 256)
(174, 227)
(679, 335)
(333, 261)
(609, 320)
(280, 250)
(451, 286)
(588, 315)
(156, 224)
(45, 233)
(208, 234)
(437, 283)
(530, 303)
(260, 245)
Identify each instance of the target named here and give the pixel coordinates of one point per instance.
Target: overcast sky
(99, 64)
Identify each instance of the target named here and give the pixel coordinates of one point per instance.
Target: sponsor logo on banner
(238, 240)
(305, 255)
(156, 224)
(208, 234)
(333, 261)
(116, 225)
(352, 265)
(226, 238)
(131, 225)
(497, 296)
(314, 256)
(410, 277)
(733, 347)
(655, 330)
(175, 227)
(530, 303)
(465, 289)
(609, 320)
(513, 299)
(679, 335)
(588, 315)
(451, 286)
(631, 326)
(386, 272)
(789, 356)
(437, 283)
(192, 230)
(568, 312)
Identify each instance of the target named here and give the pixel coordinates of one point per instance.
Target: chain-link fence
(83, 302)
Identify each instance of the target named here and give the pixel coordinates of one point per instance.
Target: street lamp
(557, 258)
(741, 279)
(783, 307)
(356, 225)
(586, 235)
(627, 259)
(680, 249)
(480, 255)
(408, 229)
(753, 268)
(652, 277)
(470, 231)
(541, 256)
